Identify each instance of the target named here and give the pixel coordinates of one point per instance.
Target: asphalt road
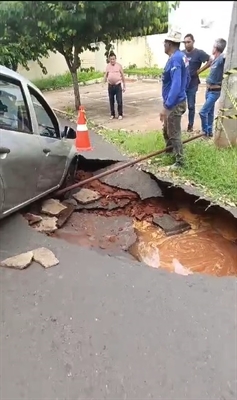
(97, 327)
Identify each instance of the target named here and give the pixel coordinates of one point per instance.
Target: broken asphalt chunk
(52, 207)
(65, 214)
(170, 225)
(42, 256)
(45, 257)
(47, 225)
(86, 196)
(21, 261)
(132, 179)
(104, 205)
(70, 201)
(32, 218)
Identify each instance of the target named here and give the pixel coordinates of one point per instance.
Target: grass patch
(153, 72)
(214, 170)
(65, 80)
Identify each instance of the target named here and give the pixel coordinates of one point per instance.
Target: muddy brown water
(209, 247)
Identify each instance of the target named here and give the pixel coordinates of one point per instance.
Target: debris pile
(120, 198)
(49, 216)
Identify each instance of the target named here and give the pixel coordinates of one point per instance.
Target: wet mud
(120, 222)
(111, 235)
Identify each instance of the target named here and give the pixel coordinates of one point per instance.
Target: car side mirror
(69, 133)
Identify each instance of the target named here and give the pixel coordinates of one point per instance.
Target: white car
(35, 154)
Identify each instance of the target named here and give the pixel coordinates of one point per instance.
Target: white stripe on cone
(82, 128)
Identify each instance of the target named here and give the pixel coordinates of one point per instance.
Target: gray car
(35, 154)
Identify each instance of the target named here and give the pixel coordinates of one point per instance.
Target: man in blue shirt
(196, 58)
(174, 84)
(214, 82)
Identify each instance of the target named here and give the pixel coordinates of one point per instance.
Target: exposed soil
(135, 208)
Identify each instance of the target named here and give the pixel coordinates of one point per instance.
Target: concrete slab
(86, 196)
(170, 225)
(45, 257)
(20, 261)
(52, 207)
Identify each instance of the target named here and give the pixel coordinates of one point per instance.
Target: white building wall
(188, 18)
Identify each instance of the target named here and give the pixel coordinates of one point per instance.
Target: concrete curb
(72, 119)
(91, 82)
(64, 114)
(56, 110)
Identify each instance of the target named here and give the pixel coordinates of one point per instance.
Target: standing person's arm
(123, 78)
(204, 58)
(174, 91)
(106, 77)
(175, 86)
(106, 74)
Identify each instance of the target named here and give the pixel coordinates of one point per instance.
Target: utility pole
(226, 131)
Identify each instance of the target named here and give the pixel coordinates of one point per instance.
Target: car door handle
(46, 151)
(4, 150)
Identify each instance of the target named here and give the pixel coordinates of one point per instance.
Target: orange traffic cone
(82, 139)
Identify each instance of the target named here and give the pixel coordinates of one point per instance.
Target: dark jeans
(207, 111)
(115, 91)
(172, 130)
(191, 100)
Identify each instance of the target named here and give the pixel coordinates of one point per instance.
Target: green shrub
(65, 80)
(153, 72)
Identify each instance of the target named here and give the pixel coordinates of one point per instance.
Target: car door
(55, 149)
(1, 194)
(20, 150)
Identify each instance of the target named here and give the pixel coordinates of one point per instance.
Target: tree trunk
(226, 132)
(77, 96)
(73, 62)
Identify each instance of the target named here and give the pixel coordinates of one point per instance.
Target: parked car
(35, 154)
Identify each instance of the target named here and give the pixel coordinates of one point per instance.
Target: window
(47, 122)
(14, 114)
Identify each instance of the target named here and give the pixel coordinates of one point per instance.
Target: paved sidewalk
(142, 104)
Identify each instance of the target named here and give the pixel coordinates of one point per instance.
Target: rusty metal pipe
(120, 167)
